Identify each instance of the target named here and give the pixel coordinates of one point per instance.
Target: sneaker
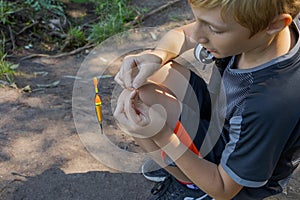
(153, 172)
(171, 189)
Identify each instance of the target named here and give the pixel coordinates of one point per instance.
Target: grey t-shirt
(262, 123)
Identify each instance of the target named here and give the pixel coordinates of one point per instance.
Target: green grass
(6, 10)
(113, 14)
(55, 6)
(7, 69)
(81, 1)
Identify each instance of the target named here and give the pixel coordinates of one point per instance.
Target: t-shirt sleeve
(257, 139)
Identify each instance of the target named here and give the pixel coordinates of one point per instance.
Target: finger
(123, 123)
(135, 99)
(158, 118)
(134, 95)
(139, 80)
(130, 110)
(128, 65)
(119, 80)
(121, 117)
(122, 120)
(121, 102)
(146, 70)
(143, 110)
(119, 110)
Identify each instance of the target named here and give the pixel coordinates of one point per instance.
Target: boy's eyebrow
(220, 26)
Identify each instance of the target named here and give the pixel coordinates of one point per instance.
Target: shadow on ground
(91, 185)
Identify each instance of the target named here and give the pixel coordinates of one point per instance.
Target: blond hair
(255, 15)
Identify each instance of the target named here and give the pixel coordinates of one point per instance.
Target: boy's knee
(151, 94)
(147, 93)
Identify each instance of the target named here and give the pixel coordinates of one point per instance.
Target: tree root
(76, 51)
(141, 17)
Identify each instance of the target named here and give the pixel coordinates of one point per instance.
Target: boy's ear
(279, 23)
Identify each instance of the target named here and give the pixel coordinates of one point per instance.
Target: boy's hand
(136, 69)
(138, 119)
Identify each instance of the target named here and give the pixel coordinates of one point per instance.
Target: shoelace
(161, 185)
(199, 198)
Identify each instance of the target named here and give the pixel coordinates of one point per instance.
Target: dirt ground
(41, 154)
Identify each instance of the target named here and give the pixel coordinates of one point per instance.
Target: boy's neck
(278, 46)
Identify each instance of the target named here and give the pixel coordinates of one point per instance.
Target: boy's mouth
(211, 50)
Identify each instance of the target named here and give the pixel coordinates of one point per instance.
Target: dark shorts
(197, 126)
(194, 120)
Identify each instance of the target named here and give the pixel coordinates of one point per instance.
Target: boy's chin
(220, 56)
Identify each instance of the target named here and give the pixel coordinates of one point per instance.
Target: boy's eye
(212, 29)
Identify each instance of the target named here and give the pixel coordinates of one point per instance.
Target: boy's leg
(173, 79)
(185, 97)
(149, 146)
(162, 90)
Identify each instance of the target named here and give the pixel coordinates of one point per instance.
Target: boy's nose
(199, 34)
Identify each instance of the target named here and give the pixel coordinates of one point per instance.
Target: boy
(256, 45)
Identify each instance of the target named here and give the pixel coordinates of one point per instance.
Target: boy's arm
(175, 42)
(137, 68)
(211, 178)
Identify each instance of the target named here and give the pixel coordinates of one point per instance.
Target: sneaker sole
(154, 179)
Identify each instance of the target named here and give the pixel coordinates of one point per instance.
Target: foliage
(44, 25)
(6, 68)
(55, 6)
(113, 15)
(80, 1)
(76, 37)
(6, 10)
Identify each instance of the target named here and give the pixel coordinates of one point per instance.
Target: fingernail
(135, 86)
(132, 94)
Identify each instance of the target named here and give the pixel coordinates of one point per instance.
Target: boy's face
(223, 36)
